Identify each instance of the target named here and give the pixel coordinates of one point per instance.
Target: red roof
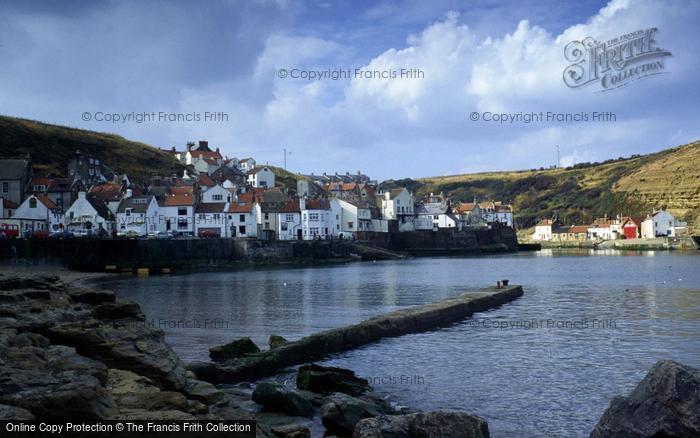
(206, 154)
(247, 197)
(210, 207)
(179, 196)
(204, 180)
(578, 229)
(291, 207)
(6, 203)
(465, 207)
(635, 221)
(318, 204)
(240, 207)
(106, 192)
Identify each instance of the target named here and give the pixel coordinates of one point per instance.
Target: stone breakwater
(314, 347)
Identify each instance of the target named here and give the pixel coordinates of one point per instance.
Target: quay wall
(445, 240)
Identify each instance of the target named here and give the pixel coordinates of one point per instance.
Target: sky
(77, 63)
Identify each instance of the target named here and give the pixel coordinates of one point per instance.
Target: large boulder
(54, 383)
(341, 412)
(665, 403)
(232, 350)
(445, 423)
(327, 380)
(279, 398)
(276, 341)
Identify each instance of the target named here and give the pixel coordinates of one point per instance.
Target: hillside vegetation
(576, 195)
(52, 147)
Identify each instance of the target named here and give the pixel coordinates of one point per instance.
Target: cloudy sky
(60, 60)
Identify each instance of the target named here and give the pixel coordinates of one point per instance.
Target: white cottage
(38, 213)
(88, 215)
(261, 176)
(139, 215)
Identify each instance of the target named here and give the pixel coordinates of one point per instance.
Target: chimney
(129, 193)
(203, 144)
(174, 150)
(217, 151)
(81, 195)
(302, 203)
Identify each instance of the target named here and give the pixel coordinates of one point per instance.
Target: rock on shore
(665, 403)
(79, 353)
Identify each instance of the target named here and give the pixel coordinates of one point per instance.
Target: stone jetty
(315, 347)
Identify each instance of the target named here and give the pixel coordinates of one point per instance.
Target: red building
(632, 226)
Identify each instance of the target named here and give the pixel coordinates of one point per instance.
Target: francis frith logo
(614, 63)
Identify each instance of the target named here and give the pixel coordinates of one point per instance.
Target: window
(241, 218)
(241, 229)
(267, 216)
(127, 212)
(182, 212)
(218, 197)
(314, 231)
(313, 216)
(32, 203)
(217, 216)
(350, 225)
(290, 218)
(5, 187)
(283, 227)
(39, 188)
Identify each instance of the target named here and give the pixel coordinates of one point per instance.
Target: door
(299, 234)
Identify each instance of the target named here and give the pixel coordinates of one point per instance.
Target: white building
(543, 230)
(661, 224)
(434, 213)
(492, 212)
(89, 215)
(317, 220)
(138, 214)
(350, 217)
(241, 220)
(397, 205)
(177, 210)
(217, 193)
(289, 221)
(38, 213)
(261, 176)
(246, 165)
(210, 219)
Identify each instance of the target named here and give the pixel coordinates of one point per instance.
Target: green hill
(632, 186)
(52, 147)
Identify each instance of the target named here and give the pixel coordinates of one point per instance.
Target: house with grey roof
(14, 177)
(139, 215)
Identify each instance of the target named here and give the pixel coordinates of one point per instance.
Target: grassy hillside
(669, 178)
(52, 147)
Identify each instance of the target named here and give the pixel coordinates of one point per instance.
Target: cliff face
(578, 194)
(671, 180)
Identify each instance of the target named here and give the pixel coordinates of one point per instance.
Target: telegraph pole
(285, 158)
(557, 156)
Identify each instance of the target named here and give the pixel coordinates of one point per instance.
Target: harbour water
(590, 325)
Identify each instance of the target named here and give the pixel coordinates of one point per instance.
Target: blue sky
(61, 59)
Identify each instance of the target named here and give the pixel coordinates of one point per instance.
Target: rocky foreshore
(72, 352)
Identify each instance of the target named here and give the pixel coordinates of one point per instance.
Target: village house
(632, 227)
(662, 223)
(210, 219)
(14, 176)
(267, 209)
(177, 210)
(202, 158)
(434, 213)
(246, 165)
(351, 217)
(468, 214)
(62, 191)
(7, 208)
(89, 216)
(217, 193)
(495, 211)
(138, 215)
(605, 228)
(241, 220)
(38, 213)
(543, 230)
(109, 193)
(397, 205)
(289, 221)
(87, 169)
(261, 176)
(316, 219)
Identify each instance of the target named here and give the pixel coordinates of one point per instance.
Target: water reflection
(525, 381)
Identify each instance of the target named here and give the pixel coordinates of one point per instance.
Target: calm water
(589, 327)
